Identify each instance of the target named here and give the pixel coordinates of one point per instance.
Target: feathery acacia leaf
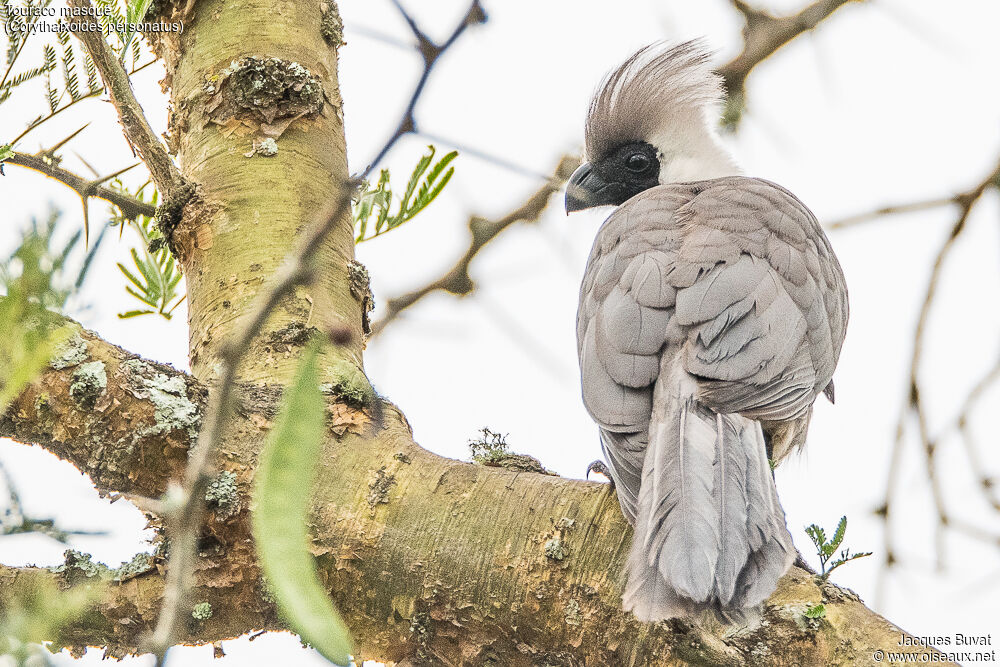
(70, 78)
(32, 281)
(422, 188)
(154, 274)
(826, 549)
(88, 65)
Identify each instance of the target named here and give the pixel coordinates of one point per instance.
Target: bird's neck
(695, 156)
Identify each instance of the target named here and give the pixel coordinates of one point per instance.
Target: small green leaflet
(155, 275)
(825, 550)
(377, 201)
(6, 153)
(30, 284)
(135, 13)
(819, 611)
(281, 495)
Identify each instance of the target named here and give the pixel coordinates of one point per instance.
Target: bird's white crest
(667, 96)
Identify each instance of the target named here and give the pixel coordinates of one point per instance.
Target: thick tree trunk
(244, 74)
(432, 561)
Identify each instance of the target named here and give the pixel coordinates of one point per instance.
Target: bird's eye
(637, 163)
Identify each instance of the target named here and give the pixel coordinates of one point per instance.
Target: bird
(712, 314)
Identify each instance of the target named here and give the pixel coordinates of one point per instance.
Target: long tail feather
(710, 532)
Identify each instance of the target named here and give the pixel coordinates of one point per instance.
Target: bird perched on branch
(711, 316)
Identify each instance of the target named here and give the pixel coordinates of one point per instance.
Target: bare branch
(914, 406)
(896, 209)
(457, 280)
(764, 34)
(187, 503)
(137, 130)
(46, 163)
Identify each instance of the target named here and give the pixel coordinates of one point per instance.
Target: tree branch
(137, 130)
(894, 209)
(454, 555)
(433, 560)
(914, 405)
(124, 421)
(456, 280)
(961, 199)
(763, 35)
(46, 163)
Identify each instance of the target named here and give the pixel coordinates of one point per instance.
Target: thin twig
(896, 209)
(19, 523)
(457, 280)
(137, 130)
(960, 424)
(914, 405)
(471, 151)
(184, 505)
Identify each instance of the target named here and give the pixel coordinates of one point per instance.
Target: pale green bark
(252, 207)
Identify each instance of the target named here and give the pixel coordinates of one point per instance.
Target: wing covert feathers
(707, 309)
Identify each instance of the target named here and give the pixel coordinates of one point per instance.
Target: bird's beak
(586, 189)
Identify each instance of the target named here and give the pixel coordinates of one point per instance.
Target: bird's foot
(600, 467)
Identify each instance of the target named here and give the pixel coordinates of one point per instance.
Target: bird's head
(651, 122)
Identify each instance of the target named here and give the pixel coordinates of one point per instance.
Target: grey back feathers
(656, 89)
(711, 316)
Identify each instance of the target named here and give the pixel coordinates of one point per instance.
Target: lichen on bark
(265, 94)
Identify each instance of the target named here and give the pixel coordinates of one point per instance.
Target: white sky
(889, 102)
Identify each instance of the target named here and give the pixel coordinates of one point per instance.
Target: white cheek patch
(692, 153)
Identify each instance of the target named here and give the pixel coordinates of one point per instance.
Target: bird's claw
(601, 467)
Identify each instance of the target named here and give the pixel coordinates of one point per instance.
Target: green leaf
(819, 611)
(135, 12)
(128, 274)
(817, 535)
(70, 78)
(30, 283)
(141, 297)
(411, 185)
(52, 95)
(6, 153)
(424, 198)
(134, 313)
(93, 84)
(281, 495)
(154, 273)
(838, 535)
(377, 201)
(439, 167)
